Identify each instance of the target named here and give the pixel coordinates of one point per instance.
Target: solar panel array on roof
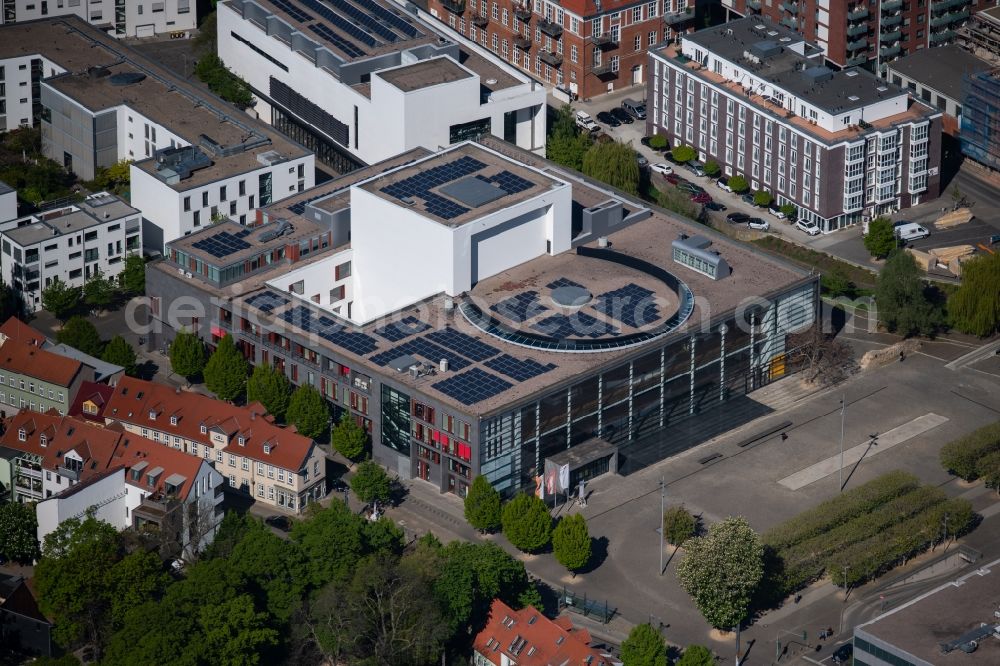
(473, 386)
(266, 301)
(632, 305)
(389, 17)
(340, 22)
(466, 345)
(330, 330)
(221, 244)
(424, 348)
(292, 10)
(509, 182)
(518, 369)
(365, 19)
(403, 328)
(519, 308)
(349, 49)
(576, 325)
(562, 282)
(420, 184)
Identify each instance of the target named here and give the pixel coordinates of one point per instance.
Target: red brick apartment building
(859, 32)
(586, 47)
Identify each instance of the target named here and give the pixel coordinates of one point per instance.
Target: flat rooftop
(488, 372)
(780, 56)
(122, 77)
(54, 223)
(940, 68)
(424, 74)
(942, 616)
(227, 243)
(459, 185)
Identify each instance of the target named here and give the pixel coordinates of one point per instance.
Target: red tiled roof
(94, 444)
(134, 450)
(134, 399)
(20, 352)
(529, 638)
(97, 393)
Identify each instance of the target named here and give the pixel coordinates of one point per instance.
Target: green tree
(566, 144)
(235, 633)
(114, 178)
(679, 525)
(738, 184)
(60, 299)
(271, 388)
(571, 542)
(683, 153)
(644, 647)
(81, 334)
(881, 238)
(133, 275)
(18, 529)
(712, 168)
(370, 483)
(721, 571)
(98, 291)
(762, 198)
(989, 470)
(132, 581)
(274, 568)
(382, 537)
(119, 352)
(527, 523)
(659, 141)
(11, 303)
(331, 542)
(187, 354)
(482, 505)
(220, 80)
(615, 164)
(308, 411)
(900, 295)
(348, 438)
(226, 370)
(790, 211)
(696, 655)
(836, 282)
(975, 306)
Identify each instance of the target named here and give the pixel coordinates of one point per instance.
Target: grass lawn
(808, 258)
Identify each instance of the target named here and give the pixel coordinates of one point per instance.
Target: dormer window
(22, 434)
(267, 449)
(204, 428)
(173, 420)
(241, 440)
(152, 415)
(43, 440)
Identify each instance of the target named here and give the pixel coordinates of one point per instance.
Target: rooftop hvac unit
(187, 274)
(602, 241)
(415, 371)
(443, 365)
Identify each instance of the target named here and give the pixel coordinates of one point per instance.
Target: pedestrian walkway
(869, 448)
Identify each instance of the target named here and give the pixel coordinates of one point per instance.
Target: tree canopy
(348, 438)
(187, 354)
(613, 163)
(18, 530)
(762, 198)
(226, 370)
(900, 294)
(308, 411)
(482, 505)
(738, 184)
(696, 655)
(81, 334)
(679, 525)
(60, 299)
(659, 141)
(975, 306)
(133, 275)
(214, 73)
(527, 523)
(370, 482)
(721, 571)
(881, 238)
(566, 143)
(571, 543)
(684, 153)
(98, 291)
(712, 168)
(270, 387)
(119, 352)
(645, 646)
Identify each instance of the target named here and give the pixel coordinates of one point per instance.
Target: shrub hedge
(841, 509)
(962, 456)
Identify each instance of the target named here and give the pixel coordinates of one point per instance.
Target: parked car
(701, 198)
(737, 218)
(673, 178)
(697, 168)
(715, 205)
(608, 119)
(758, 223)
(279, 522)
(910, 232)
(338, 486)
(641, 160)
(586, 123)
(773, 209)
(689, 187)
(810, 228)
(622, 115)
(748, 198)
(842, 655)
(635, 108)
(661, 168)
(723, 184)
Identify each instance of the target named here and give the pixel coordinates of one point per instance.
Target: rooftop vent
(98, 72)
(282, 228)
(126, 78)
(270, 158)
(883, 88)
(851, 72)
(176, 164)
(853, 98)
(818, 74)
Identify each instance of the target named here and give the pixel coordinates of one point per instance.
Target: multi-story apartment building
(195, 159)
(436, 315)
(121, 18)
(32, 377)
(360, 81)
(756, 98)
(872, 34)
(274, 465)
(585, 47)
(70, 243)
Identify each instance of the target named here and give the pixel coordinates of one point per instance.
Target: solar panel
(340, 22)
(389, 17)
(563, 282)
(632, 305)
(473, 386)
(349, 49)
(520, 308)
(511, 183)
(424, 348)
(404, 328)
(517, 369)
(466, 345)
(420, 184)
(331, 331)
(266, 301)
(221, 244)
(577, 325)
(292, 10)
(365, 19)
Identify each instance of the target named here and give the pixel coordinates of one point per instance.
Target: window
(638, 43)
(218, 456)
(652, 40)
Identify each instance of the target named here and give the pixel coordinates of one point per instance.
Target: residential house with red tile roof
(90, 401)
(527, 638)
(275, 465)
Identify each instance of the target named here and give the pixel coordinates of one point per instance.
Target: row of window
(20, 383)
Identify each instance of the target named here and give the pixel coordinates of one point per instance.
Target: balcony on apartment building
(949, 18)
(889, 37)
(523, 43)
(680, 16)
(889, 51)
(890, 21)
(943, 36)
(858, 14)
(480, 20)
(454, 6)
(945, 5)
(857, 61)
(790, 7)
(856, 29)
(891, 5)
(523, 12)
(550, 58)
(755, 5)
(605, 40)
(604, 70)
(551, 29)
(789, 22)
(857, 45)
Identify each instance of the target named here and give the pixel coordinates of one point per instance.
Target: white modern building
(8, 202)
(70, 243)
(21, 72)
(757, 99)
(360, 81)
(121, 18)
(498, 214)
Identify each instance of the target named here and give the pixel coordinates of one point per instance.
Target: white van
(586, 123)
(911, 232)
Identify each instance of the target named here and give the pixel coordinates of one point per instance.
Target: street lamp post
(738, 643)
(663, 499)
(847, 591)
(843, 409)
